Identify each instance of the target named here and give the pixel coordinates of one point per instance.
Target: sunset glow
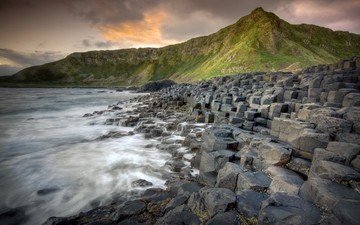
(39, 31)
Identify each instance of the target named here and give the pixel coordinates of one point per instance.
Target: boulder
(272, 153)
(181, 215)
(327, 193)
(227, 176)
(248, 202)
(308, 139)
(348, 151)
(214, 161)
(227, 218)
(257, 181)
(129, 208)
(284, 180)
(299, 165)
(276, 109)
(328, 124)
(188, 188)
(218, 139)
(333, 171)
(175, 202)
(141, 183)
(347, 212)
(351, 99)
(218, 200)
(281, 208)
(348, 137)
(212, 201)
(156, 85)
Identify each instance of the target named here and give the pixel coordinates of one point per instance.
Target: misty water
(50, 162)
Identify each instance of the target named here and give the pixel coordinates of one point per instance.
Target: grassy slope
(257, 42)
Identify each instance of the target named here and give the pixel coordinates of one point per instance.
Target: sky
(34, 32)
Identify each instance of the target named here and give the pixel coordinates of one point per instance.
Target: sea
(51, 160)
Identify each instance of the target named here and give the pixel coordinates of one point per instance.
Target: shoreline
(270, 148)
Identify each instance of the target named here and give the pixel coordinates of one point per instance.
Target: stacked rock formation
(271, 148)
(302, 146)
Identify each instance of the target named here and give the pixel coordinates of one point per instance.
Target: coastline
(264, 145)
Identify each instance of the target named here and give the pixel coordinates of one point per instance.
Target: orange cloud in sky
(146, 32)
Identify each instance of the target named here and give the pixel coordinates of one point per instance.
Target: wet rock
(141, 183)
(47, 191)
(154, 195)
(181, 215)
(188, 188)
(281, 208)
(115, 134)
(129, 208)
(15, 216)
(175, 202)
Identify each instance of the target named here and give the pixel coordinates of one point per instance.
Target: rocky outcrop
(259, 148)
(156, 86)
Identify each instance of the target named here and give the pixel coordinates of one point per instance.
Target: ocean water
(50, 162)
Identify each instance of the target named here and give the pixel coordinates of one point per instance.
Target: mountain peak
(259, 14)
(258, 10)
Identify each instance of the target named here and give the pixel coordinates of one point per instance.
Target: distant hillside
(260, 41)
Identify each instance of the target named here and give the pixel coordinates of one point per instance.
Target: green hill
(260, 41)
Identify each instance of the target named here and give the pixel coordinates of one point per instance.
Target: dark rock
(175, 202)
(218, 200)
(141, 183)
(257, 181)
(281, 208)
(248, 202)
(180, 215)
(129, 208)
(16, 216)
(227, 218)
(156, 86)
(284, 180)
(326, 193)
(227, 176)
(47, 191)
(188, 188)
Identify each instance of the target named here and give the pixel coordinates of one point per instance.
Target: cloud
(162, 22)
(11, 60)
(337, 15)
(97, 44)
(104, 44)
(144, 32)
(86, 43)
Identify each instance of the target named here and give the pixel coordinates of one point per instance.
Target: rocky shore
(257, 148)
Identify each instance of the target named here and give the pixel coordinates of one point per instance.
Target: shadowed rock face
(260, 159)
